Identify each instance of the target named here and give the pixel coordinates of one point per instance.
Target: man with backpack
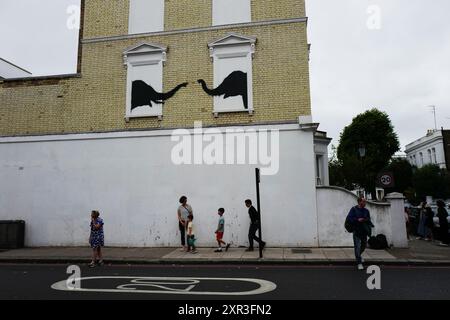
(358, 222)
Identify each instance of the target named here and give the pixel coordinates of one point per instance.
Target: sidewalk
(419, 253)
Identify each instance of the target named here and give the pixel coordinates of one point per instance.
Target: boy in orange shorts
(220, 230)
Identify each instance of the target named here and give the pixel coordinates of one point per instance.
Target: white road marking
(159, 282)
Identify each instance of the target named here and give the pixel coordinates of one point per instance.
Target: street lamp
(362, 150)
(362, 154)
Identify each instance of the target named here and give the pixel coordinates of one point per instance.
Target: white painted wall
(146, 16)
(231, 11)
(333, 205)
(54, 182)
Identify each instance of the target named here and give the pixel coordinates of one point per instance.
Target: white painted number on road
(165, 285)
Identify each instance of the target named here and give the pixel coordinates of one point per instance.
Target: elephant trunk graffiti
(144, 94)
(235, 84)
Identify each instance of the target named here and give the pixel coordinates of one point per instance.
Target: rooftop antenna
(433, 110)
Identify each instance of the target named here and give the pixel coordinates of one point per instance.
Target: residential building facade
(430, 149)
(153, 77)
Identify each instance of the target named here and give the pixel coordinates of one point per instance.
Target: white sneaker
(360, 266)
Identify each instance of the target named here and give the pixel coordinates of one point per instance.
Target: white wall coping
(395, 195)
(375, 203)
(141, 134)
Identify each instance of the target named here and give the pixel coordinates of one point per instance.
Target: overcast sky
(400, 64)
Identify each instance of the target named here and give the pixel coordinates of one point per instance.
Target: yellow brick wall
(184, 14)
(95, 102)
(110, 17)
(105, 18)
(277, 9)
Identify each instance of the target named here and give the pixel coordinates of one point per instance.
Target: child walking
(220, 230)
(96, 239)
(191, 235)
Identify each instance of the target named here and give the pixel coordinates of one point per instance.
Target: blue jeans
(360, 246)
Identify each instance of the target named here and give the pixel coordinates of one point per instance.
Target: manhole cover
(301, 251)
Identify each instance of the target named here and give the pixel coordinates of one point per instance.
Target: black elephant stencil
(143, 94)
(235, 84)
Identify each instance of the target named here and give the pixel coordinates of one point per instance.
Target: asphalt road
(211, 282)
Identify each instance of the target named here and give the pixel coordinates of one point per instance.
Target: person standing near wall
(184, 210)
(421, 229)
(359, 217)
(96, 239)
(191, 235)
(443, 223)
(408, 223)
(254, 226)
(429, 223)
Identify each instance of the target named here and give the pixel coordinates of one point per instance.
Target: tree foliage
(430, 180)
(374, 131)
(403, 174)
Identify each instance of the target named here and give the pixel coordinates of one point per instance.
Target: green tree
(403, 173)
(336, 174)
(430, 180)
(374, 131)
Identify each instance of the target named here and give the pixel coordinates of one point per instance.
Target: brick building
(103, 138)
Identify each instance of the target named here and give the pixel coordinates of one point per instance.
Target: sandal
(92, 264)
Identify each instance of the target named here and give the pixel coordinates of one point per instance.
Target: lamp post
(362, 154)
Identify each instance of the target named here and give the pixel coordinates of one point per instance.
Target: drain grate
(301, 251)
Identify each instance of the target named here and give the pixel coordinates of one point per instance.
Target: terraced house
(171, 98)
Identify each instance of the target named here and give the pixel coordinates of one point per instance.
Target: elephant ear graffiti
(233, 85)
(143, 94)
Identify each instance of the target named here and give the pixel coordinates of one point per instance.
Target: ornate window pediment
(146, 50)
(232, 40)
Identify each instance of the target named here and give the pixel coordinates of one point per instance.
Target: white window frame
(143, 54)
(230, 46)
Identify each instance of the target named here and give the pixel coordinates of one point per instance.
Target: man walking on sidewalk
(254, 226)
(359, 218)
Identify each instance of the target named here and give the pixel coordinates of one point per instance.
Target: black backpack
(349, 226)
(378, 243)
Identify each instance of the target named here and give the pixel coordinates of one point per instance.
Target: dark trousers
(360, 244)
(183, 233)
(252, 234)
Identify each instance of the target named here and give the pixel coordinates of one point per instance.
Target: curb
(293, 262)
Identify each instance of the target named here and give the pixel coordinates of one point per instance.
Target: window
(144, 64)
(430, 159)
(319, 178)
(434, 155)
(146, 16)
(231, 11)
(233, 76)
(421, 158)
